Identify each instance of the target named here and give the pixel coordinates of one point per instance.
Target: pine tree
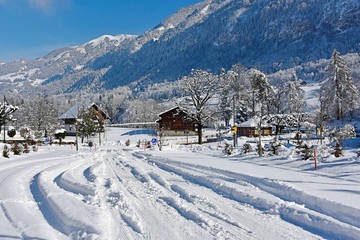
(339, 95)
(88, 124)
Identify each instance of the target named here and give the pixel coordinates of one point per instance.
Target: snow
(205, 10)
(250, 123)
(79, 67)
(117, 39)
(20, 75)
(114, 191)
(312, 92)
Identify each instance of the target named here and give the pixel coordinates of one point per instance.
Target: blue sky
(32, 28)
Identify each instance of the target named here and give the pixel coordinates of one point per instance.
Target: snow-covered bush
(323, 152)
(26, 148)
(337, 149)
(228, 149)
(298, 140)
(247, 148)
(6, 151)
(60, 134)
(17, 148)
(275, 146)
(307, 151)
(348, 131)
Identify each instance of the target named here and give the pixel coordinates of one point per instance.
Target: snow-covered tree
(292, 97)
(339, 95)
(241, 85)
(141, 110)
(200, 86)
(112, 101)
(6, 111)
(230, 96)
(262, 94)
(39, 113)
(88, 123)
(279, 121)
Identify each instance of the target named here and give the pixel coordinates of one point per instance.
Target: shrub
(228, 149)
(17, 148)
(307, 151)
(26, 148)
(60, 134)
(337, 150)
(6, 151)
(247, 148)
(275, 147)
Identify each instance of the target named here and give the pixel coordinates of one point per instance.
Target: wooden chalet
(176, 122)
(249, 129)
(69, 117)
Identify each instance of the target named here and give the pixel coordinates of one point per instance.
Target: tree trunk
(260, 144)
(199, 128)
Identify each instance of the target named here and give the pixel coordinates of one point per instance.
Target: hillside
(267, 34)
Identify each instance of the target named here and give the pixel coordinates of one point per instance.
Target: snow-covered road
(117, 192)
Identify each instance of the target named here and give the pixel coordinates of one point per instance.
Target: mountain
(55, 68)
(267, 34)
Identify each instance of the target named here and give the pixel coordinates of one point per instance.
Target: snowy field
(181, 192)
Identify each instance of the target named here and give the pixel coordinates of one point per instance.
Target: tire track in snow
(70, 181)
(69, 213)
(314, 220)
(116, 197)
(192, 209)
(145, 187)
(20, 208)
(44, 206)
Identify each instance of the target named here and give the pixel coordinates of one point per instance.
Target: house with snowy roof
(176, 122)
(69, 117)
(249, 129)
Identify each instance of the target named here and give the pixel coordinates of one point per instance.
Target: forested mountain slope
(266, 34)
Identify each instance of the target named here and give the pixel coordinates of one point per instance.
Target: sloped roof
(249, 123)
(73, 112)
(169, 110)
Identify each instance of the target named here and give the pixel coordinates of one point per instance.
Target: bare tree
(201, 86)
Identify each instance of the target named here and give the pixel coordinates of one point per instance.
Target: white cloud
(48, 5)
(42, 4)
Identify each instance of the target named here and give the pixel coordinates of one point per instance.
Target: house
(69, 117)
(249, 129)
(176, 122)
